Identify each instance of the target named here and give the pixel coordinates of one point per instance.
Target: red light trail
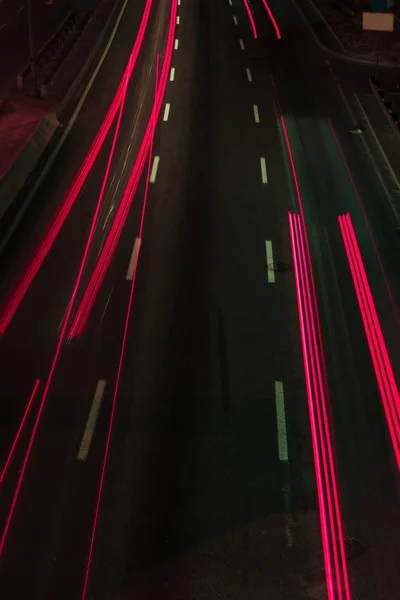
(104, 259)
(20, 429)
(376, 342)
(61, 339)
(317, 395)
(273, 20)
(157, 98)
(251, 19)
(366, 222)
(30, 273)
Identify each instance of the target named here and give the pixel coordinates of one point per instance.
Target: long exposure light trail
(359, 201)
(376, 342)
(104, 259)
(36, 262)
(317, 395)
(155, 113)
(59, 343)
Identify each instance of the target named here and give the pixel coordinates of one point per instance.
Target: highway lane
(194, 503)
(364, 454)
(46, 17)
(58, 489)
(187, 504)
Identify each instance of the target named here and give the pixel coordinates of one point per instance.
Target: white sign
(378, 21)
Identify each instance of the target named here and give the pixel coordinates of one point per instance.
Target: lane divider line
(248, 72)
(241, 42)
(91, 422)
(134, 259)
(172, 75)
(154, 169)
(256, 113)
(380, 358)
(281, 422)
(270, 261)
(264, 176)
(157, 100)
(166, 112)
(235, 19)
(176, 44)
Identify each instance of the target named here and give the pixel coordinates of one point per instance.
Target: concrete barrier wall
(19, 171)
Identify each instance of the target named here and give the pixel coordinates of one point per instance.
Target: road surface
(207, 492)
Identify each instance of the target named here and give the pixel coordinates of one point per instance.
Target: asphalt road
(46, 17)
(198, 502)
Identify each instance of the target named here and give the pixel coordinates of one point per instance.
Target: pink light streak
(20, 429)
(251, 18)
(103, 262)
(317, 394)
(357, 195)
(166, 66)
(376, 342)
(30, 273)
(59, 344)
(273, 20)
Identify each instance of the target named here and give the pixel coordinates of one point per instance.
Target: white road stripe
(281, 422)
(166, 112)
(179, 2)
(134, 258)
(249, 77)
(235, 19)
(264, 176)
(154, 169)
(241, 42)
(270, 261)
(172, 74)
(177, 20)
(91, 422)
(256, 113)
(176, 44)
(230, 2)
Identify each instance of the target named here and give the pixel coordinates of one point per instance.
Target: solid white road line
(264, 176)
(176, 44)
(281, 421)
(154, 169)
(172, 74)
(235, 19)
(256, 113)
(166, 112)
(241, 42)
(134, 258)
(91, 422)
(249, 77)
(270, 261)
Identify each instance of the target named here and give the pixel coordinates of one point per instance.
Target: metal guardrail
(388, 104)
(55, 50)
